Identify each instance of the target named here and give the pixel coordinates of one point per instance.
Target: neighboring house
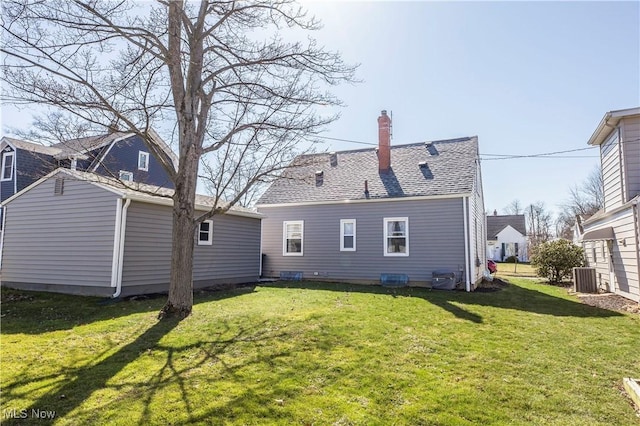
(120, 155)
(81, 233)
(354, 215)
(506, 237)
(611, 237)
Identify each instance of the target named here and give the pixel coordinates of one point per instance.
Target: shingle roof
(33, 147)
(449, 168)
(150, 193)
(495, 224)
(82, 145)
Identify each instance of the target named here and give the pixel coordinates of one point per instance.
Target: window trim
(125, 172)
(342, 234)
(284, 237)
(4, 163)
(209, 240)
(386, 220)
(146, 155)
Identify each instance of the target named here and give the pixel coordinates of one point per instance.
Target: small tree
(554, 260)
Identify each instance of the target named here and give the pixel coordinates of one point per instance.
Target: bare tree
(235, 93)
(584, 200)
(514, 208)
(539, 223)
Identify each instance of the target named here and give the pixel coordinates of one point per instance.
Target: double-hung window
(347, 235)
(292, 238)
(143, 161)
(7, 165)
(396, 236)
(205, 233)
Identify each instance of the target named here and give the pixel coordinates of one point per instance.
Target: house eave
(365, 200)
(600, 217)
(608, 123)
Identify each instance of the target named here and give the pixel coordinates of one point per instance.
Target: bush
(554, 260)
(511, 259)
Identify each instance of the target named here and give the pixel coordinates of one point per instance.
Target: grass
(317, 353)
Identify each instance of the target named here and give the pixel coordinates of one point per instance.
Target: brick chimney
(384, 142)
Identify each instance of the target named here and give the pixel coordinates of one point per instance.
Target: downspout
(116, 268)
(261, 231)
(466, 244)
(636, 226)
(116, 243)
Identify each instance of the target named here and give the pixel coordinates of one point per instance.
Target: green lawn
(321, 354)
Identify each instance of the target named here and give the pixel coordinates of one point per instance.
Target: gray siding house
(354, 216)
(81, 233)
(611, 237)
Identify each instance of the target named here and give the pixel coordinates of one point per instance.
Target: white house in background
(611, 237)
(506, 236)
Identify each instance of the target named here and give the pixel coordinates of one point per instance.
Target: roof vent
(431, 149)
(58, 188)
(333, 159)
(319, 178)
(422, 164)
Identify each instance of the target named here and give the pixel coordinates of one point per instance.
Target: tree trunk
(180, 299)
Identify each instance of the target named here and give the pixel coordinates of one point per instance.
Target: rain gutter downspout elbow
(121, 229)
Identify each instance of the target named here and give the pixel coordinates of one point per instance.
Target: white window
(347, 235)
(7, 165)
(205, 233)
(143, 161)
(292, 238)
(396, 236)
(125, 176)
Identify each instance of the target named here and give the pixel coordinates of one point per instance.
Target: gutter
(118, 246)
(467, 249)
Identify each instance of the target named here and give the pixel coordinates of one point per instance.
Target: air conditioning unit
(584, 280)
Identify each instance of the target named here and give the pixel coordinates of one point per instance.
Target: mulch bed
(612, 302)
(609, 301)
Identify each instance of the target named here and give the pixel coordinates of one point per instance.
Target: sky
(525, 77)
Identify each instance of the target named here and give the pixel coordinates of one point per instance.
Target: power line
(553, 154)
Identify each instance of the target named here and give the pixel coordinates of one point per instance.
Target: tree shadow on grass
(30, 312)
(78, 384)
(511, 297)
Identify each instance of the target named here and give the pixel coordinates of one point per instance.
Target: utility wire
(501, 156)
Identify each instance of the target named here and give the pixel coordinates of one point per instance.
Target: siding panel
(436, 240)
(233, 257)
(631, 146)
(611, 173)
(67, 242)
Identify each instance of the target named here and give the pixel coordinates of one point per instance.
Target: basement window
(292, 238)
(205, 233)
(396, 236)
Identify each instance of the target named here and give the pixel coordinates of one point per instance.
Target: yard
(313, 353)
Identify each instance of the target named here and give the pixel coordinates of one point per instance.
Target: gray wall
(60, 240)
(234, 256)
(611, 171)
(631, 146)
(624, 252)
(436, 240)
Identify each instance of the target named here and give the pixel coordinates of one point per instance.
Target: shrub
(511, 259)
(554, 260)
